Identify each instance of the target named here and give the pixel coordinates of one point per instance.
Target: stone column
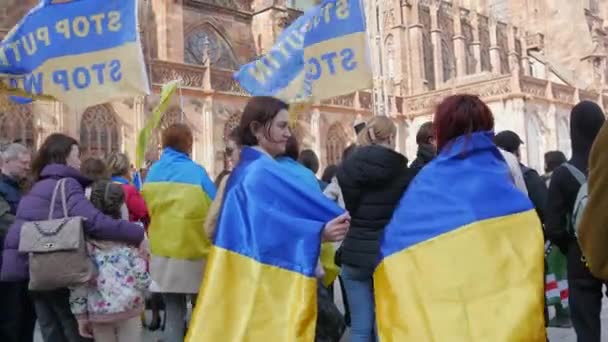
(436, 40)
(170, 29)
(416, 52)
(476, 44)
(315, 130)
(513, 55)
(494, 48)
(207, 156)
(459, 42)
(525, 59)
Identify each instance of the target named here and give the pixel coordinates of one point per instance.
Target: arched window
(534, 140)
(218, 50)
(99, 132)
(335, 144)
(17, 124)
(172, 116)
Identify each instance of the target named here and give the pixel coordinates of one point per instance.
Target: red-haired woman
(462, 258)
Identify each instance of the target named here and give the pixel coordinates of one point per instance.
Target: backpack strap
(578, 175)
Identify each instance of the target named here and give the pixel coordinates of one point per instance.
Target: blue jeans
(359, 288)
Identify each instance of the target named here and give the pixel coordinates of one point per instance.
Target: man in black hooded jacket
(585, 291)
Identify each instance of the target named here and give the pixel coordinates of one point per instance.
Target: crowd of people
(178, 241)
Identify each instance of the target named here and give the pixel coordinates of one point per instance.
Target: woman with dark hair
(259, 281)
(178, 193)
(462, 258)
(58, 158)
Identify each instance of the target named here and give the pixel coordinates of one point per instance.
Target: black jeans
(57, 323)
(585, 300)
(585, 297)
(17, 316)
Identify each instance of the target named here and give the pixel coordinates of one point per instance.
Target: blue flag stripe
(435, 204)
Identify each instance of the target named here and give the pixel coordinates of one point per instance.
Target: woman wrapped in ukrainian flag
(462, 258)
(259, 282)
(178, 193)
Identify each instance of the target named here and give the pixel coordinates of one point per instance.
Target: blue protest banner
(321, 55)
(82, 52)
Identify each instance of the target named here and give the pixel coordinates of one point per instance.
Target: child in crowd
(109, 307)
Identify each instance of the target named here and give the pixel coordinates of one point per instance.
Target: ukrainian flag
(462, 258)
(178, 193)
(259, 282)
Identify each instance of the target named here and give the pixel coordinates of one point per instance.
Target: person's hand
(336, 229)
(85, 329)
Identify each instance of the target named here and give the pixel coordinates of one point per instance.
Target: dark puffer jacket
(372, 180)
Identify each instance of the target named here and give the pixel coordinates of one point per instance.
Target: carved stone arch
(17, 125)
(99, 132)
(335, 143)
(218, 48)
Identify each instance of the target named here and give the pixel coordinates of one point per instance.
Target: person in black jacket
(426, 146)
(537, 190)
(373, 179)
(17, 316)
(585, 291)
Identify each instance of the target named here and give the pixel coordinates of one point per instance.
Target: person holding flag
(259, 282)
(462, 258)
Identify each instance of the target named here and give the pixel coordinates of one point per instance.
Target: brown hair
(379, 129)
(54, 150)
(94, 169)
(260, 110)
(178, 137)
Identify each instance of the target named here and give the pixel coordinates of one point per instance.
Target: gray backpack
(581, 199)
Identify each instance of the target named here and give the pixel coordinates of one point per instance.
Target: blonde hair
(377, 130)
(118, 164)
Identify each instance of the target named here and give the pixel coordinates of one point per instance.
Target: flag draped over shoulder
(178, 193)
(321, 55)
(82, 52)
(259, 282)
(462, 258)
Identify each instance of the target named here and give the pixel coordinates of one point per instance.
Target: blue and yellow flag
(81, 52)
(323, 54)
(259, 282)
(462, 258)
(178, 193)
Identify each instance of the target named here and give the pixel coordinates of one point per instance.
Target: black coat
(426, 153)
(537, 190)
(585, 123)
(372, 180)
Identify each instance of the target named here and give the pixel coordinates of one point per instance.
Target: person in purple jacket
(58, 158)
